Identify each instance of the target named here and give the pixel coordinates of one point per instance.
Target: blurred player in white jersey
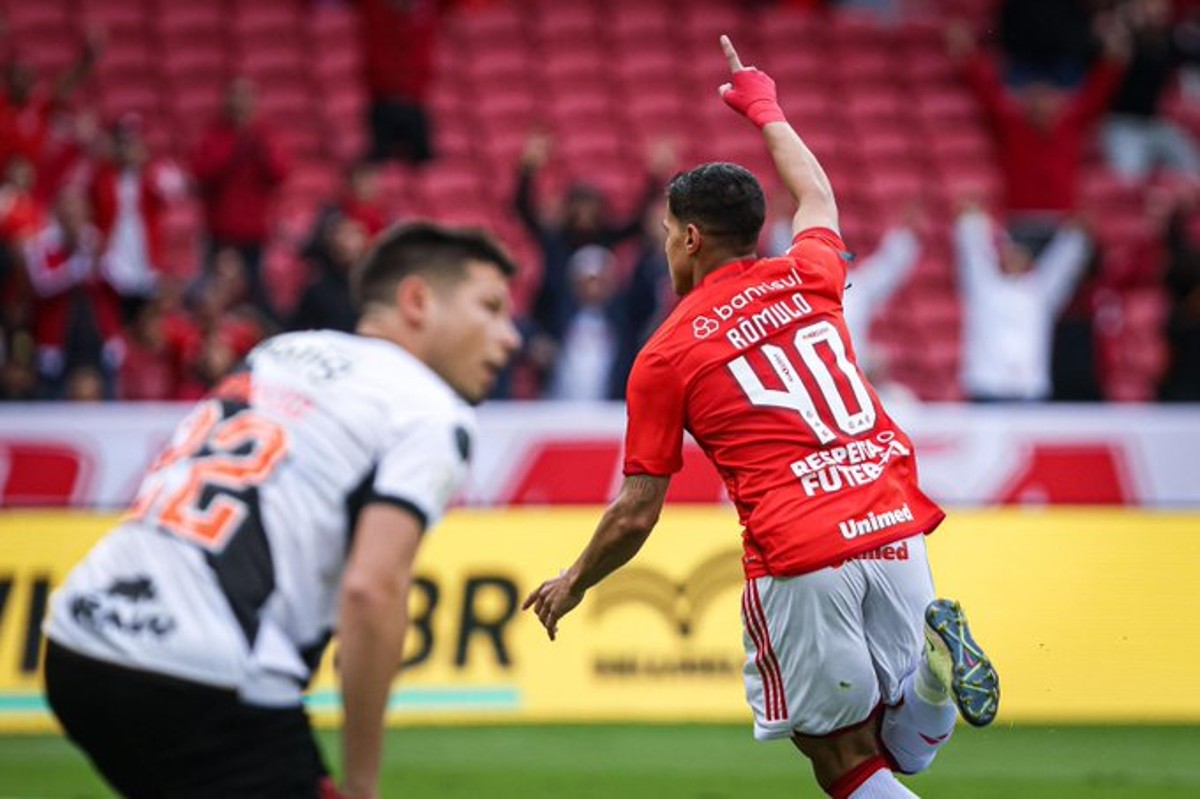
(289, 505)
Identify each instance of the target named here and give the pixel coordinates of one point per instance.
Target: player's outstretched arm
(622, 530)
(751, 93)
(372, 622)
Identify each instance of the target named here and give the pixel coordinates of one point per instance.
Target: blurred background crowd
(1019, 179)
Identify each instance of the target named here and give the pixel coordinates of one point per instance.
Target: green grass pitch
(701, 762)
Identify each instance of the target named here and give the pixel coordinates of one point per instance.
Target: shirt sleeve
(424, 469)
(825, 249)
(654, 432)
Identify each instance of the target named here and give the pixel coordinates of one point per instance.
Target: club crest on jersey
(703, 327)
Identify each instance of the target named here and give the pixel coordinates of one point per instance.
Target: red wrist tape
(753, 96)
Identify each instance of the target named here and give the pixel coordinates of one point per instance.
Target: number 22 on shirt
(225, 457)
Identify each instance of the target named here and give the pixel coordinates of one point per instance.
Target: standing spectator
(338, 243)
(1137, 138)
(76, 313)
(26, 110)
(587, 353)
(399, 39)
(1010, 301)
(582, 219)
(1181, 383)
(239, 167)
(1041, 131)
(128, 195)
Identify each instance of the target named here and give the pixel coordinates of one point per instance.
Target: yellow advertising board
(1090, 615)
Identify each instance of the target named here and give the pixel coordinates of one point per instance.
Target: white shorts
(824, 649)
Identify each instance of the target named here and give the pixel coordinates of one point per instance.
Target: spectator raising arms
(582, 219)
(1137, 138)
(1010, 301)
(1041, 130)
(238, 167)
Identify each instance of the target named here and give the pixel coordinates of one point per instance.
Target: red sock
(850, 782)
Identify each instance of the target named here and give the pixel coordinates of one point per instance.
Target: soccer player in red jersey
(848, 652)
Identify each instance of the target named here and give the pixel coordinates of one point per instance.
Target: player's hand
(751, 92)
(552, 600)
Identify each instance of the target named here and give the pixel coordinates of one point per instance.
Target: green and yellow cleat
(960, 664)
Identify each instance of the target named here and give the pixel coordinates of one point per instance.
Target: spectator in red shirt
(239, 166)
(399, 38)
(129, 194)
(1041, 131)
(26, 111)
(76, 313)
(360, 200)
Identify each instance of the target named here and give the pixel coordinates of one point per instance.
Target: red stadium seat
(183, 21)
(865, 66)
(785, 29)
(332, 25)
(24, 18)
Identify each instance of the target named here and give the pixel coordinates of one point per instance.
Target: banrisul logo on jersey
(696, 647)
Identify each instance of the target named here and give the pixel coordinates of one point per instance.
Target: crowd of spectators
(91, 309)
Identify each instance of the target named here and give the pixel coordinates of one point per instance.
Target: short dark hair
(724, 200)
(427, 249)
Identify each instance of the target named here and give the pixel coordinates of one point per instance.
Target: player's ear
(692, 239)
(413, 298)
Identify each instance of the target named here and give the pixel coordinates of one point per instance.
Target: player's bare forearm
(622, 530)
(803, 177)
(624, 527)
(371, 630)
(372, 622)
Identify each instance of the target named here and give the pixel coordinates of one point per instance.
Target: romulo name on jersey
(751, 329)
(874, 522)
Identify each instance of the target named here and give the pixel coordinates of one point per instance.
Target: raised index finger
(735, 63)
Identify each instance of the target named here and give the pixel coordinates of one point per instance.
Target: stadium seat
(864, 66)
(23, 18)
(184, 21)
(332, 25)
(496, 22)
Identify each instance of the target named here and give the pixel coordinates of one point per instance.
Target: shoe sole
(974, 683)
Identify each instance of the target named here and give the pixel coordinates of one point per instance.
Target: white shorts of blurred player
(824, 649)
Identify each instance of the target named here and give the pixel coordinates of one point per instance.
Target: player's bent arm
(624, 527)
(620, 534)
(372, 622)
(803, 177)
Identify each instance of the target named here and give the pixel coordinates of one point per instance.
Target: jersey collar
(727, 271)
